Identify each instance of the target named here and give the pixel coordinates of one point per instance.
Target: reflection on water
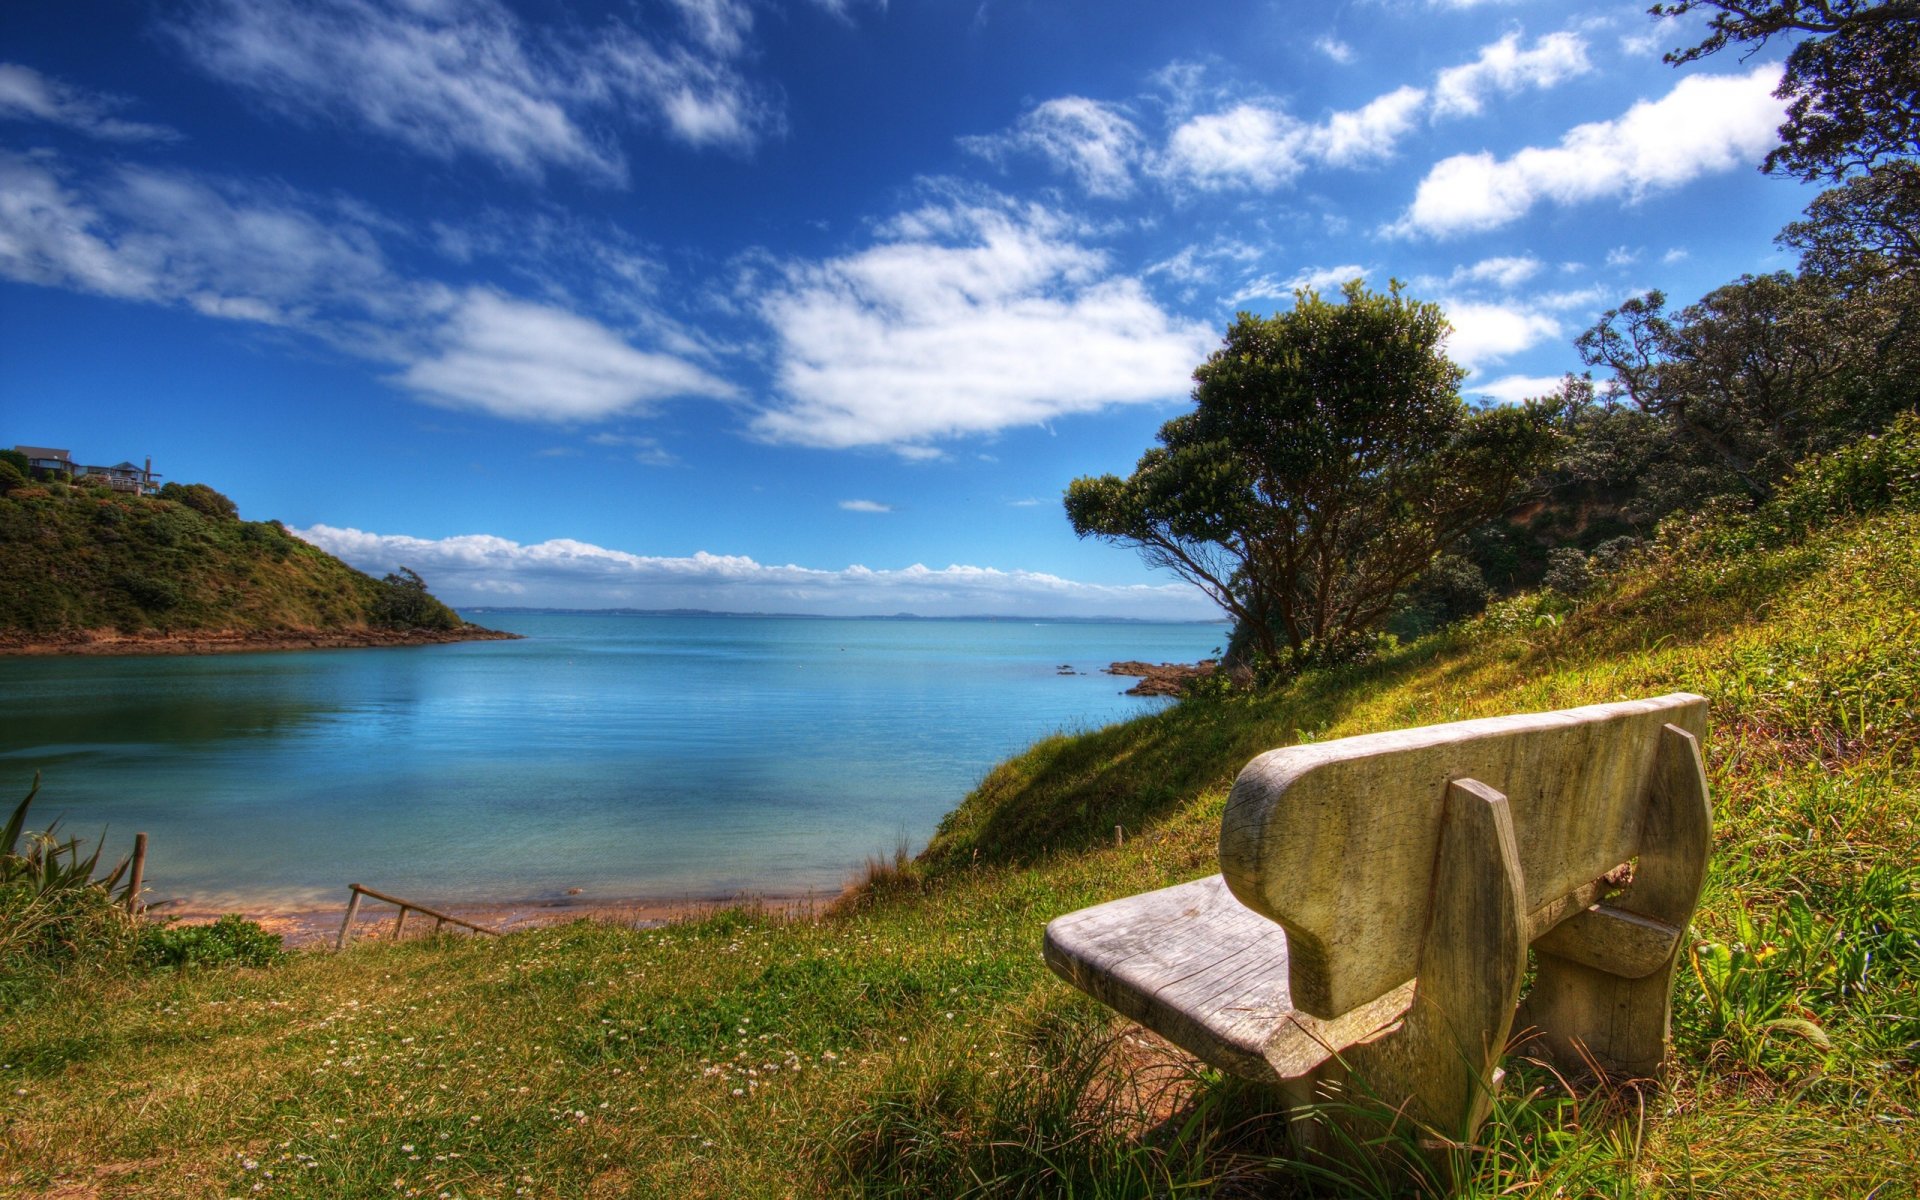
(622, 755)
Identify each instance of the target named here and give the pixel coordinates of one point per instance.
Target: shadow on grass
(1066, 793)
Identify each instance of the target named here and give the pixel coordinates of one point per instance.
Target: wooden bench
(1369, 931)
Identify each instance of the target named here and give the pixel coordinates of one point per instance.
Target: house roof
(125, 466)
(44, 452)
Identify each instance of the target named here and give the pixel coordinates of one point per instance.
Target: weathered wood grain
(1439, 1069)
(1199, 968)
(1333, 840)
(1609, 1015)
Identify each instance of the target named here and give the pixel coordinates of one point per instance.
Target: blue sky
(813, 306)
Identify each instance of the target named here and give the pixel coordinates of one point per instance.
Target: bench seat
(1209, 974)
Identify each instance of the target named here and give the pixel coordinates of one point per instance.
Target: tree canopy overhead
(1326, 463)
(1849, 83)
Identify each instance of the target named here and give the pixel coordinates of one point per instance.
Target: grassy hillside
(912, 1043)
(81, 558)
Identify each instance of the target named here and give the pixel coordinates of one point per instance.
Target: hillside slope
(911, 1043)
(90, 569)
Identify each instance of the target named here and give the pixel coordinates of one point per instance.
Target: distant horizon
(1066, 619)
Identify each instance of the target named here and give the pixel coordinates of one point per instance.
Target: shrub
(11, 477)
(202, 499)
(230, 941)
(1567, 572)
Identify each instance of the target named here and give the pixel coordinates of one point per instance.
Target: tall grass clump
(55, 907)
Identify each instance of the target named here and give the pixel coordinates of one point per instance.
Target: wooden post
(1440, 1069)
(139, 872)
(1603, 991)
(1119, 836)
(353, 907)
(400, 923)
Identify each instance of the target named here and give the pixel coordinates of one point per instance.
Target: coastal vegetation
(911, 1043)
(87, 563)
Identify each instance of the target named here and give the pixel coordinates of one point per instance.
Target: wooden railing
(440, 919)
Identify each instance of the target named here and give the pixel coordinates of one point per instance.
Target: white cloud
(1505, 271)
(532, 362)
(1334, 49)
(1321, 279)
(964, 319)
(481, 568)
(1091, 141)
(166, 237)
(1707, 123)
(1248, 145)
(1370, 133)
(1486, 332)
(272, 257)
(450, 78)
(1623, 256)
(27, 95)
(866, 506)
(1677, 254)
(1259, 146)
(1504, 68)
(1512, 389)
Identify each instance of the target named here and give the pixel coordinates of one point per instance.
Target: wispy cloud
(482, 568)
(270, 256)
(1706, 124)
(455, 78)
(1095, 143)
(532, 362)
(866, 506)
(27, 95)
(965, 317)
(1334, 49)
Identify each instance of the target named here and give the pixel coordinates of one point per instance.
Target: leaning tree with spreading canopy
(1328, 460)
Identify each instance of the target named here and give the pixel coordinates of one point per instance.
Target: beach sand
(320, 925)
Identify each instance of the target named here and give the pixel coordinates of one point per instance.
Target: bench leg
(1438, 1070)
(1612, 1015)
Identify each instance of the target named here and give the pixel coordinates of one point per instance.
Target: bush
(11, 477)
(403, 602)
(1568, 572)
(230, 941)
(202, 499)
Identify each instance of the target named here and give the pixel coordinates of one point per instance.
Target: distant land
(902, 616)
(92, 568)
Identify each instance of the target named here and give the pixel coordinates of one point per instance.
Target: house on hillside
(121, 477)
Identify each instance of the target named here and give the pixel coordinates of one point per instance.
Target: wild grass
(912, 1044)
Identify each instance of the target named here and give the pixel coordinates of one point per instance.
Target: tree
(403, 602)
(1327, 462)
(1852, 83)
(1757, 375)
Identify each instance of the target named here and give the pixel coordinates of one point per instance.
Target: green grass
(911, 1043)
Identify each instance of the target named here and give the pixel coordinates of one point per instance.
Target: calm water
(625, 756)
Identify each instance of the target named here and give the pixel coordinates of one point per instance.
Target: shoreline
(303, 925)
(97, 642)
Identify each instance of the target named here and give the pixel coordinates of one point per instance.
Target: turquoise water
(627, 756)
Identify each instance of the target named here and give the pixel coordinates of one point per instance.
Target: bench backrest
(1336, 840)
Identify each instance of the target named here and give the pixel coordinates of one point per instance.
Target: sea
(603, 757)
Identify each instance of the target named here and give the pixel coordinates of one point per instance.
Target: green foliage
(1327, 462)
(1850, 79)
(403, 602)
(82, 559)
(55, 906)
(202, 499)
(232, 940)
(11, 476)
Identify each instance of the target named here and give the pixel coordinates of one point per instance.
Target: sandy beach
(313, 925)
